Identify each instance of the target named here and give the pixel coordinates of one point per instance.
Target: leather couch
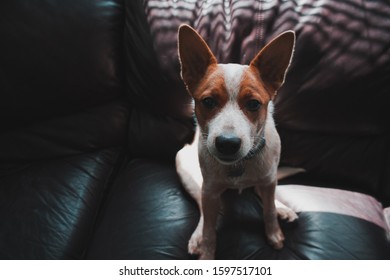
(93, 112)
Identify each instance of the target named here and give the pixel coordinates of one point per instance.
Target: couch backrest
(159, 122)
(61, 78)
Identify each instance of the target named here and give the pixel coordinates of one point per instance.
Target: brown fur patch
(252, 88)
(212, 85)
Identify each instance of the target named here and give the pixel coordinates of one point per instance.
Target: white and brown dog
(236, 141)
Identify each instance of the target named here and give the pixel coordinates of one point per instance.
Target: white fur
(230, 120)
(233, 75)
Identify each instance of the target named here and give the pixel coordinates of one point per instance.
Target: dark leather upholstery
(154, 216)
(92, 112)
(63, 124)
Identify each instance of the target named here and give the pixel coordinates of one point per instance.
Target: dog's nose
(227, 144)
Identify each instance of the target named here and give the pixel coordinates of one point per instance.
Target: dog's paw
(286, 214)
(276, 239)
(195, 248)
(195, 243)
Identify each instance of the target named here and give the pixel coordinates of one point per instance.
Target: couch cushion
(148, 215)
(332, 224)
(48, 208)
(316, 236)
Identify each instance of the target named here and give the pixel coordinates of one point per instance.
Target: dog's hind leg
(284, 212)
(188, 169)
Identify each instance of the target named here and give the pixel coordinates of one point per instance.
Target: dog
(236, 144)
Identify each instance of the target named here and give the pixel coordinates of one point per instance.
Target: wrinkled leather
(148, 215)
(315, 235)
(63, 122)
(48, 209)
(155, 218)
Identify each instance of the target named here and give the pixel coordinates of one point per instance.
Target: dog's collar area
(239, 168)
(257, 149)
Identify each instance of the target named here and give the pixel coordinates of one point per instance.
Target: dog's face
(231, 100)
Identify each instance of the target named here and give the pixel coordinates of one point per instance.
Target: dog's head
(231, 100)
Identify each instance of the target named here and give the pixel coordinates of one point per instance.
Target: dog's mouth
(227, 160)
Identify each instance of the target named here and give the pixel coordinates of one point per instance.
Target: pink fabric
(307, 198)
(386, 213)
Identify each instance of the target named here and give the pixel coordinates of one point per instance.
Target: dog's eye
(253, 105)
(209, 103)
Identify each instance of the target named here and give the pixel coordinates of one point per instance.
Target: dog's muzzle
(227, 146)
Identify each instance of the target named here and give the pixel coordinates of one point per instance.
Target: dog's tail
(188, 169)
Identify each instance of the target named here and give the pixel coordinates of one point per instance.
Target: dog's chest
(242, 176)
(239, 176)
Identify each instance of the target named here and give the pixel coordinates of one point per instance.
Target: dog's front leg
(272, 228)
(210, 204)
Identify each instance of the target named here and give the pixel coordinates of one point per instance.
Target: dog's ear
(274, 59)
(194, 55)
